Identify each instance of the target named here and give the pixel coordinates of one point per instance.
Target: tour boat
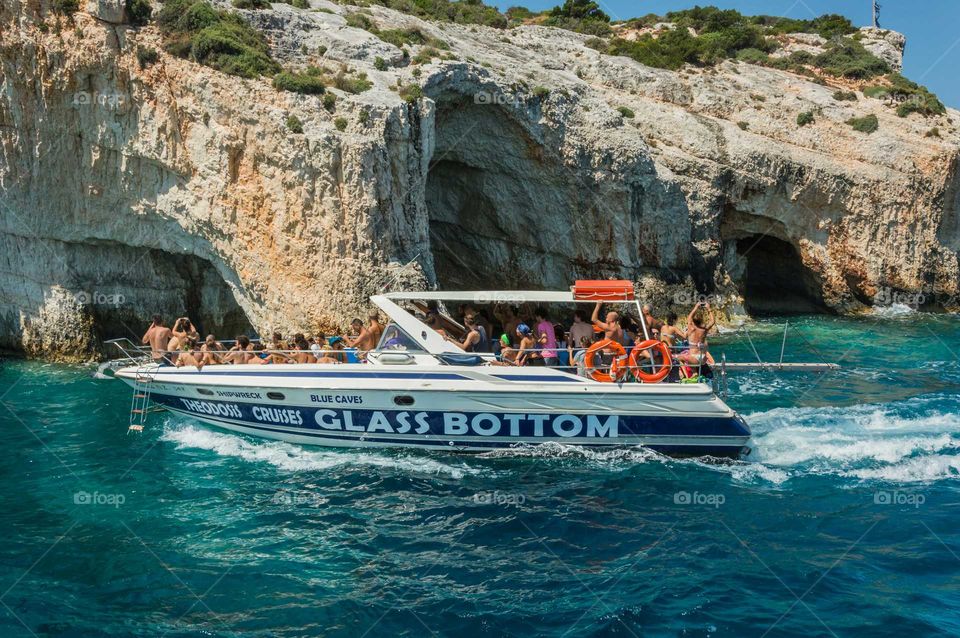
(417, 389)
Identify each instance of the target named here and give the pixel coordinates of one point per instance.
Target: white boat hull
(448, 407)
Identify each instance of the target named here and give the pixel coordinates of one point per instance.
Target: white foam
(920, 469)
(294, 458)
(893, 311)
(900, 442)
(552, 449)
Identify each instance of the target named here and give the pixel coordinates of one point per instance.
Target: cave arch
(775, 281)
(494, 195)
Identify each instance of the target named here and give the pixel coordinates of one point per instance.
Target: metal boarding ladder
(140, 402)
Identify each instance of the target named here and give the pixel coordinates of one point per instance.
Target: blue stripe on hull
(474, 430)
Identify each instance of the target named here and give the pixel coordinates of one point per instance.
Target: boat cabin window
(396, 339)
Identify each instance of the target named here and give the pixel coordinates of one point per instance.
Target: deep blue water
(842, 521)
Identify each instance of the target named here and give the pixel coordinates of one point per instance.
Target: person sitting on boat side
(507, 354)
(578, 354)
(632, 331)
(610, 326)
(510, 322)
(654, 325)
(473, 339)
(698, 327)
(528, 353)
(317, 344)
(190, 355)
(211, 350)
(670, 334)
(241, 352)
(674, 337)
(183, 328)
(546, 337)
(158, 336)
(338, 345)
(302, 354)
(433, 320)
(276, 351)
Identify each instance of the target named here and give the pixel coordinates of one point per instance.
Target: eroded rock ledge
(182, 190)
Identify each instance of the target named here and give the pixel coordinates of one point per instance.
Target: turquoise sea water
(842, 521)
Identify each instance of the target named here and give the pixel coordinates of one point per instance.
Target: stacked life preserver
(617, 369)
(666, 364)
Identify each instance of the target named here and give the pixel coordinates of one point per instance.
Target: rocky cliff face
(531, 160)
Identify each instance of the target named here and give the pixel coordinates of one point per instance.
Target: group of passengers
(181, 345)
(528, 337)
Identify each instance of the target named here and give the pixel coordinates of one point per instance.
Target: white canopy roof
(495, 296)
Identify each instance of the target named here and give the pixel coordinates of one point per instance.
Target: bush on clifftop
(224, 41)
(583, 16)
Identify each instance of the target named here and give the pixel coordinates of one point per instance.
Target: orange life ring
(617, 368)
(655, 377)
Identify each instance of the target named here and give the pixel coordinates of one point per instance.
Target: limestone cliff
(531, 160)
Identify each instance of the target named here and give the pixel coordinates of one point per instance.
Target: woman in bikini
(697, 330)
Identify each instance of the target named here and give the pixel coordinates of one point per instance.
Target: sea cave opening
(775, 280)
(135, 286)
(497, 202)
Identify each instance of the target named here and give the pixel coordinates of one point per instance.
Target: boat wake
(915, 440)
(294, 458)
(910, 441)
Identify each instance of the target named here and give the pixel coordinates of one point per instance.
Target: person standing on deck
(546, 338)
(580, 330)
(365, 340)
(611, 326)
(158, 336)
(374, 328)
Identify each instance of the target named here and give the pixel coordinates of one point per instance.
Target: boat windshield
(394, 338)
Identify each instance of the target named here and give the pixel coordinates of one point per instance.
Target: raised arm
(693, 312)
(146, 335)
(713, 318)
(595, 317)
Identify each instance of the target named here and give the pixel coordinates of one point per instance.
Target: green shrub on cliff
(583, 16)
(458, 11)
(294, 125)
(868, 124)
(306, 83)
(251, 4)
(146, 57)
(721, 35)
(849, 59)
(805, 118)
(138, 12)
(224, 41)
(828, 26)
(65, 7)
(908, 96)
